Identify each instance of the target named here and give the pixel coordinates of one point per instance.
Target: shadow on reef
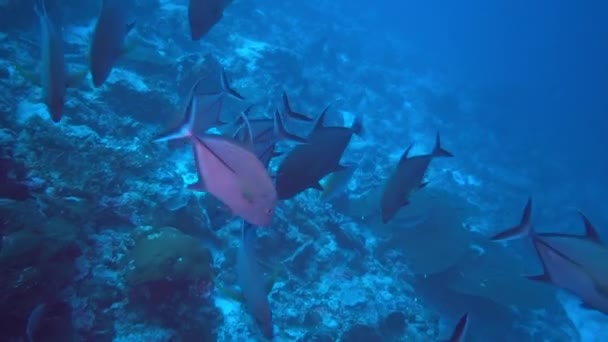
(456, 270)
(36, 263)
(170, 278)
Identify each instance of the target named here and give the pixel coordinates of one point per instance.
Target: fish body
(575, 263)
(53, 72)
(308, 163)
(203, 15)
(114, 23)
(252, 283)
(234, 175)
(407, 178)
(564, 272)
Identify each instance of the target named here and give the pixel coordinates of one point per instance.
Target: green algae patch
(168, 254)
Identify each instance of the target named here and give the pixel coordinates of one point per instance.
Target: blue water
(516, 89)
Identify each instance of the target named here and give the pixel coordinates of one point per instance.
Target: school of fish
(234, 168)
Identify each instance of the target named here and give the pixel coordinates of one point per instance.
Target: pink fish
(236, 176)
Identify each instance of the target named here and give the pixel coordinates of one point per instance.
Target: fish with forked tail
(572, 262)
(308, 163)
(407, 178)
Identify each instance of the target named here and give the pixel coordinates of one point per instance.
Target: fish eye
(269, 211)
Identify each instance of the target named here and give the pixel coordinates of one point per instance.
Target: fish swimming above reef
(115, 21)
(251, 281)
(234, 174)
(203, 110)
(203, 15)
(265, 134)
(406, 179)
(575, 263)
(53, 71)
(307, 164)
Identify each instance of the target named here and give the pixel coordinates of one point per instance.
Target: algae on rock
(168, 254)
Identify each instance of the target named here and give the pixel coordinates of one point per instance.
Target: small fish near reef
(407, 178)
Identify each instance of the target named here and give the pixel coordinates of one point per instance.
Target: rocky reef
(98, 221)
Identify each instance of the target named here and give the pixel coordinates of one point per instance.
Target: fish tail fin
(185, 129)
(291, 113)
(523, 229)
(438, 151)
(281, 131)
(228, 89)
(357, 126)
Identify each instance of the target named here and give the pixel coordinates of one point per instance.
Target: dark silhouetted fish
(407, 178)
(522, 229)
(53, 72)
(265, 134)
(203, 15)
(576, 263)
(234, 175)
(203, 110)
(114, 23)
(308, 163)
(252, 283)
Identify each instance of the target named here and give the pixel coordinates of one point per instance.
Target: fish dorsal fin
(590, 231)
(290, 112)
(321, 119)
(281, 131)
(199, 140)
(226, 87)
(405, 154)
(527, 214)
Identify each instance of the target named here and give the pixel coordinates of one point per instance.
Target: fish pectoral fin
(75, 79)
(405, 202)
